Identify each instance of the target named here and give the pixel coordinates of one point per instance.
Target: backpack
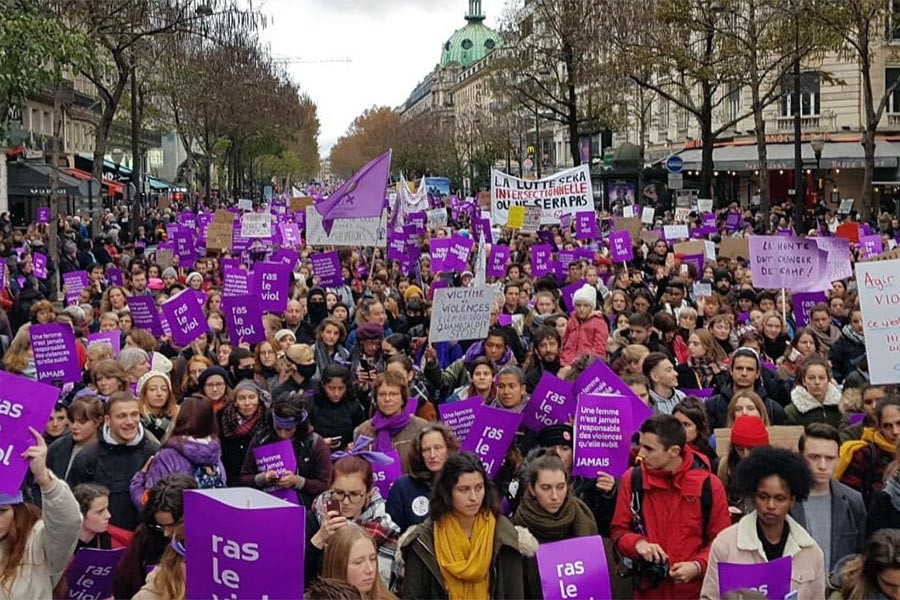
(637, 502)
(208, 477)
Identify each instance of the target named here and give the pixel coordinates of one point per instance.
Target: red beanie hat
(749, 431)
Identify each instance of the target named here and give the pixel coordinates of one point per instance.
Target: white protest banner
(628, 211)
(532, 219)
(564, 193)
(245, 204)
(704, 205)
(461, 314)
(346, 232)
(436, 217)
(879, 298)
(682, 213)
(256, 225)
(647, 215)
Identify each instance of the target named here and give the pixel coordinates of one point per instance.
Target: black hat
(556, 435)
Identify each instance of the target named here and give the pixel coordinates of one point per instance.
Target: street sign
(676, 181)
(674, 164)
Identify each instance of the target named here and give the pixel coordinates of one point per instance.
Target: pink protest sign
(55, 357)
(491, 435)
(185, 316)
(551, 403)
(603, 428)
(459, 416)
(574, 568)
(23, 404)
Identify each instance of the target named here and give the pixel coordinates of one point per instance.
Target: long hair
(714, 352)
(25, 517)
(196, 419)
(337, 555)
(457, 465)
(859, 577)
(17, 355)
(169, 582)
(186, 382)
(693, 409)
(417, 468)
(171, 407)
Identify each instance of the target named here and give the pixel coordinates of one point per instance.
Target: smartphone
(333, 506)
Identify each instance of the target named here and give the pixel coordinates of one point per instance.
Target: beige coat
(49, 547)
(740, 544)
(401, 442)
(148, 592)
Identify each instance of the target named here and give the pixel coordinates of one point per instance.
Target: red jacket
(672, 518)
(584, 337)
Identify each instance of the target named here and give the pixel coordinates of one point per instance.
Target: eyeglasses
(341, 495)
(267, 353)
(214, 384)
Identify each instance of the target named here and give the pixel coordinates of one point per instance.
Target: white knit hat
(586, 293)
(148, 376)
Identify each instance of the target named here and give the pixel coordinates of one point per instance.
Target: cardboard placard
(632, 225)
(300, 203)
(780, 436)
(734, 248)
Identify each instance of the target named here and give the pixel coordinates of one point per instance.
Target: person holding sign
(477, 551)
(35, 546)
(775, 479)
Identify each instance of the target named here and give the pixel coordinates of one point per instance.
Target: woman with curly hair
(114, 299)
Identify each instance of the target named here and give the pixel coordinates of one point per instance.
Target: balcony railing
(821, 122)
(893, 120)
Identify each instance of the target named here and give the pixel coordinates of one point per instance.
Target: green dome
(471, 43)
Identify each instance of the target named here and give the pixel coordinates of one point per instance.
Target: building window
(809, 95)
(891, 75)
(733, 102)
(893, 21)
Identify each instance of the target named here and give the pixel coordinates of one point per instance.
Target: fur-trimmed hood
(805, 402)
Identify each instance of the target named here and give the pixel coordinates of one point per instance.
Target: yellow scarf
(464, 562)
(849, 448)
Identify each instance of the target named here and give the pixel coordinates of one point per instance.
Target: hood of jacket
(748, 540)
(203, 451)
(678, 479)
(477, 349)
(107, 438)
(805, 402)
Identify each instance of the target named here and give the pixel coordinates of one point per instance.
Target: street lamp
(818, 145)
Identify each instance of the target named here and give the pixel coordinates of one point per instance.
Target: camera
(651, 574)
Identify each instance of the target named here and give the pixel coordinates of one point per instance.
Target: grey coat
(848, 522)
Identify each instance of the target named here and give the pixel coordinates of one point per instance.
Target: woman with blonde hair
(167, 579)
(157, 403)
(19, 359)
(114, 298)
(351, 556)
(190, 381)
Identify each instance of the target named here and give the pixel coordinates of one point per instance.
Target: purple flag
(574, 568)
(240, 540)
(43, 214)
(74, 282)
(144, 314)
(25, 404)
(551, 403)
(621, 248)
(803, 303)
(111, 338)
(498, 260)
(773, 578)
(603, 428)
(185, 316)
(39, 265)
(458, 253)
(280, 458)
(492, 432)
(91, 572)
(235, 281)
(361, 196)
(541, 255)
(244, 319)
(271, 285)
(460, 415)
(586, 226)
(327, 266)
(55, 358)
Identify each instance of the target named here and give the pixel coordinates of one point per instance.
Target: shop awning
(113, 188)
(34, 179)
(835, 155)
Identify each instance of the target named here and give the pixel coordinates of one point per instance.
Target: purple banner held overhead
(458, 253)
(541, 257)
(39, 265)
(574, 568)
(586, 226)
(772, 578)
(25, 404)
(491, 435)
(235, 282)
(552, 402)
(279, 458)
(460, 415)
(438, 249)
(271, 283)
(498, 261)
(803, 303)
(55, 356)
(733, 221)
(144, 314)
(43, 214)
(870, 245)
(603, 428)
(327, 267)
(74, 282)
(243, 319)
(114, 275)
(91, 572)
(621, 248)
(111, 338)
(184, 315)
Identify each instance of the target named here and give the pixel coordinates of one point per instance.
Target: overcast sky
(392, 44)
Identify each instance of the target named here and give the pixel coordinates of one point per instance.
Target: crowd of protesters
(342, 362)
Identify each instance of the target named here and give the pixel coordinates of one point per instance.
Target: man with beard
(544, 356)
(316, 311)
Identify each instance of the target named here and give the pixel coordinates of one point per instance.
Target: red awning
(113, 188)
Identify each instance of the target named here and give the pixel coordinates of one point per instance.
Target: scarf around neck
(465, 562)
(851, 335)
(386, 428)
(234, 425)
(573, 519)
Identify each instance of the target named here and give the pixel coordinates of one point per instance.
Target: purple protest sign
(586, 226)
(327, 267)
(39, 265)
(492, 432)
(599, 379)
(498, 260)
(243, 319)
(803, 303)
(185, 316)
(43, 214)
(547, 237)
(551, 403)
(144, 314)
(74, 282)
(708, 220)
(603, 428)
(733, 221)
(384, 476)
(574, 568)
(111, 338)
(566, 257)
(621, 248)
(240, 540)
(772, 578)
(91, 572)
(235, 282)
(23, 404)
(271, 283)
(439, 248)
(458, 253)
(481, 229)
(698, 260)
(278, 457)
(290, 234)
(699, 393)
(114, 275)
(396, 245)
(837, 265)
(55, 357)
(185, 248)
(418, 220)
(568, 293)
(459, 416)
(785, 262)
(187, 219)
(870, 245)
(541, 256)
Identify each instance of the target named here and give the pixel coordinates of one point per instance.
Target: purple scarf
(386, 428)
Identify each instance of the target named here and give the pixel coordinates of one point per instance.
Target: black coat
(58, 455)
(845, 354)
(336, 420)
(882, 514)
